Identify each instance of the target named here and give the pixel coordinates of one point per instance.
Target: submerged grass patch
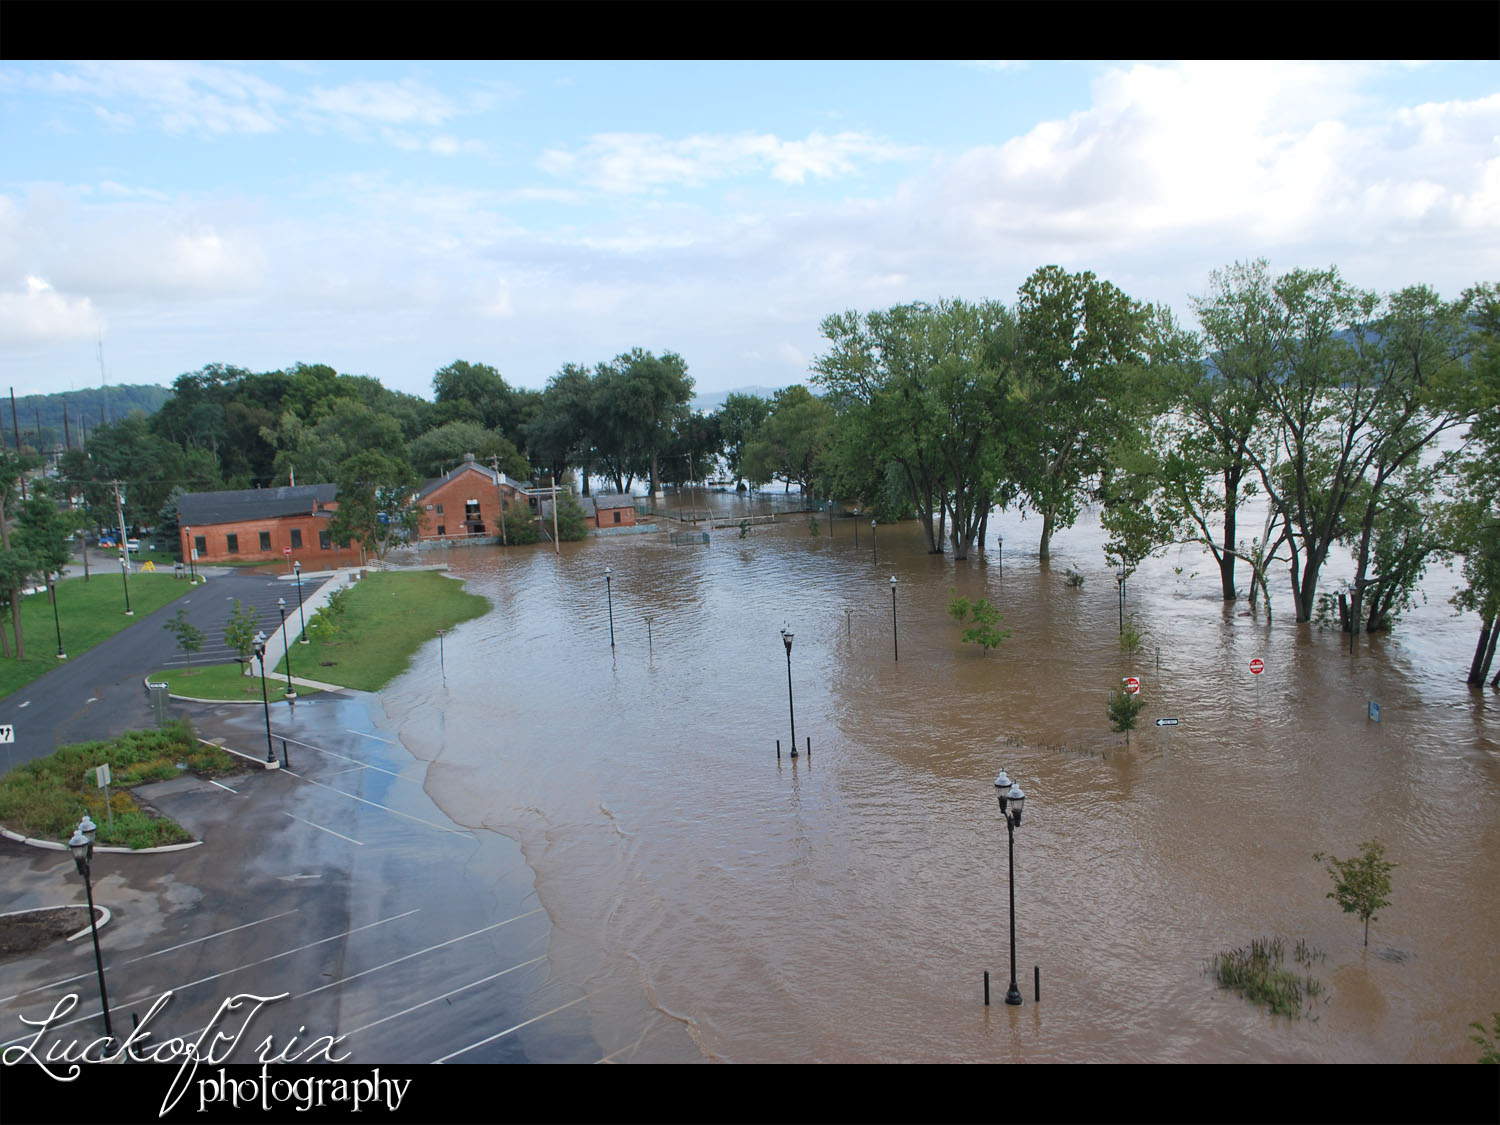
(46, 798)
(1258, 973)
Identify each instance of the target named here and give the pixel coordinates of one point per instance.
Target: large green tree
(639, 399)
(375, 501)
(562, 432)
(1083, 346)
(739, 416)
(788, 446)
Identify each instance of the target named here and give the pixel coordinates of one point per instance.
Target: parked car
(132, 545)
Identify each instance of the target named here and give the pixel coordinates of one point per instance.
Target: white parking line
(346, 758)
(26, 704)
(211, 781)
(444, 995)
(515, 1028)
(152, 995)
(387, 741)
(320, 828)
(148, 956)
(373, 804)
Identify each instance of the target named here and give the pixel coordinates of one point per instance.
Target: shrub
(1073, 578)
(1361, 884)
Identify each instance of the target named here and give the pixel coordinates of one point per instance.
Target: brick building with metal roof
(263, 525)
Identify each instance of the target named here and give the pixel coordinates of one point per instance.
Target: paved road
(101, 693)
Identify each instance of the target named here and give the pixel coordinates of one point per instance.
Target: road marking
(320, 828)
(387, 741)
(211, 781)
(28, 703)
(373, 804)
(418, 953)
(158, 953)
(518, 1027)
(445, 995)
(152, 995)
(91, 699)
(351, 769)
(346, 758)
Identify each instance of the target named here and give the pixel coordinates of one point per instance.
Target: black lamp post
(786, 639)
(1000, 548)
(650, 650)
(443, 668)
(286, 651)
(1009, 794)
(873, 557)
(1120, 582)
(56, 621)
(609, 596)
(192, 571)
(124, 578)
(265, 699)
(895, 637)
(301, 617)
(856, 527)
(82, 847)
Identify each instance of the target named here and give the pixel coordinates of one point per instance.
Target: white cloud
(40, 315)
(185, 96)
(407, 102)
(631, 163)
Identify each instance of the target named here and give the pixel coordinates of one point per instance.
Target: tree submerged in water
(982, 620)
(1124, 711)
(1362, 884)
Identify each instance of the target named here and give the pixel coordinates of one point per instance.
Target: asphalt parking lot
(397, 935)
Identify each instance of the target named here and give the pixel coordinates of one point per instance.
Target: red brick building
(264, 525)
(465, 504)
(614, 510)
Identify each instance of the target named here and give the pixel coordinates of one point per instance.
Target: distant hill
(708, 403)
(40, 417)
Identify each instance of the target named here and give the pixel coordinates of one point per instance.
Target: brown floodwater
(719, 903)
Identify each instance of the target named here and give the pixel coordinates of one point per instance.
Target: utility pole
(556, 550)
(124, 548)
(500, 494)
(16, 426)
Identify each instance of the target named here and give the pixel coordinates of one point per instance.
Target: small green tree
(982, 620)
(190, 638)
(1361, 884)
(1489, 1041)
(812, 526)
(240, 630)
(1124, 709)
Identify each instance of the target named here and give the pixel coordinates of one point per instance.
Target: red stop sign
(1132, 685)
(1257, 666)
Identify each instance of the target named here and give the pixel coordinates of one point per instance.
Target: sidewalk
(339, 579)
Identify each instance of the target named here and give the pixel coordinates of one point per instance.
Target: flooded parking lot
(843, 907)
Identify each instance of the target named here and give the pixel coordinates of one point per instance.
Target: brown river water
(718, 903)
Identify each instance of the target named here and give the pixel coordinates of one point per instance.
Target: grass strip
(46, 797)
(366, 636)
(89, 611)
(228, 682)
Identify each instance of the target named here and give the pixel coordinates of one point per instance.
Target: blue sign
(1374, 711)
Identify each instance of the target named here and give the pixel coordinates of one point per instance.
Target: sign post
(1169, 724)
(1257, 666)
(101, 776)
(8, 736)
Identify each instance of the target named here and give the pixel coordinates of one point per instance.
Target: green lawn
(228, 681)
(89, 610)
(388, 615)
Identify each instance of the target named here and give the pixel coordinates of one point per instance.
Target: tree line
(1351, 417)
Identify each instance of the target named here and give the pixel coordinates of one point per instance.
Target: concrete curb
(53, 845)
(100, 924)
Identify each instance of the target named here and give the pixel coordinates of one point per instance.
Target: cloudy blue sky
(389, 217)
